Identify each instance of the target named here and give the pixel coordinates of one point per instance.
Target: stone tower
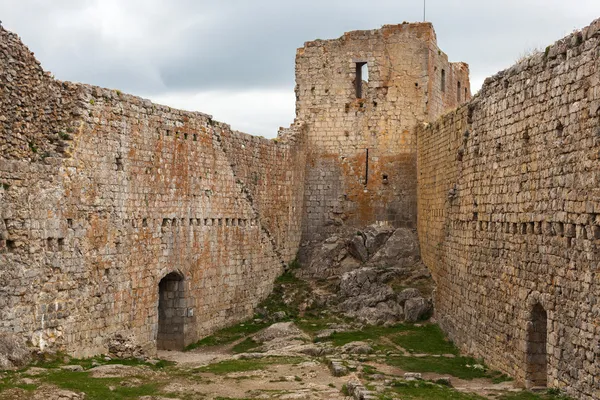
(360, 97)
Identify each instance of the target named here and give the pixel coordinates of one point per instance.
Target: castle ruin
(120, 216)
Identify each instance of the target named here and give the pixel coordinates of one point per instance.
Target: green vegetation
(427, 338)
(228, 366)
(229, 335)
(100, 388)
(92, 101)
(64, 136)
(11, 381)
(59, 359)
(5, 186)
(460, 367)
(33, 147)
(551, 394)
(245, 346)
(427, 390)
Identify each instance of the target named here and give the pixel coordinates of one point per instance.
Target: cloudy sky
(234, 59)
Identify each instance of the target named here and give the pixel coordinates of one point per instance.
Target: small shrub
(345, 390)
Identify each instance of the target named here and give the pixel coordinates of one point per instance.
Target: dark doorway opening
(537, 358)
(171, 312)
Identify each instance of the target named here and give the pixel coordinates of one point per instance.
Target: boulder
(357, 348)
(401, 249)
(376, 236)
(357, 248)
(14, 353)
(278, 331)
(406, 294)
(125, 347)
(415, 309)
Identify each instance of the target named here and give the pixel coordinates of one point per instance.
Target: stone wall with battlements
(509, 217)
(361, 161)
(103, 194)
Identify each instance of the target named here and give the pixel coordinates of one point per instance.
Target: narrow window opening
(366, 167)
(458, 92)
(362, 75)
(11, 244)
(69, 222)
(119, 162)
(145, 222)
(443, 80)
(384, 179)
(61, 244)
(466, 94)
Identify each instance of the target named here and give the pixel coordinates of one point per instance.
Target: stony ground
(310, 353)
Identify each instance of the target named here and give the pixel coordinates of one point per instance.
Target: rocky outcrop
(14, 353)
(372, 270)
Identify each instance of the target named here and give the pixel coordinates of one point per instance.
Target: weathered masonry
(121, 216)
(509, 217)
(361, 148)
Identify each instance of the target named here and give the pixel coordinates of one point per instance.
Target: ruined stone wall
(103, 194)
(271, 176)
(509, 216)
(361, 162)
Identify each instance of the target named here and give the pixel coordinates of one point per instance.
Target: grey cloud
(156, 46)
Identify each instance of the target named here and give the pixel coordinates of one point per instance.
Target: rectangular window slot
(458, 92)
(443, 80)
(362, 73)
(119, 162)
(366, 167)
(145, 222)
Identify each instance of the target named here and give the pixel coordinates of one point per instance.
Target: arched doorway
(171, 312)
(537, 337)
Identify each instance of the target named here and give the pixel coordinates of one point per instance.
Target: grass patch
(430, 391)
(372, 333)
(551, 394)
(229, 335)
(11, 382)
(456, 366)
(87, 363)
(288, 293)
(228, 366)
(427, 339)
(245, 346)
(99, 388)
